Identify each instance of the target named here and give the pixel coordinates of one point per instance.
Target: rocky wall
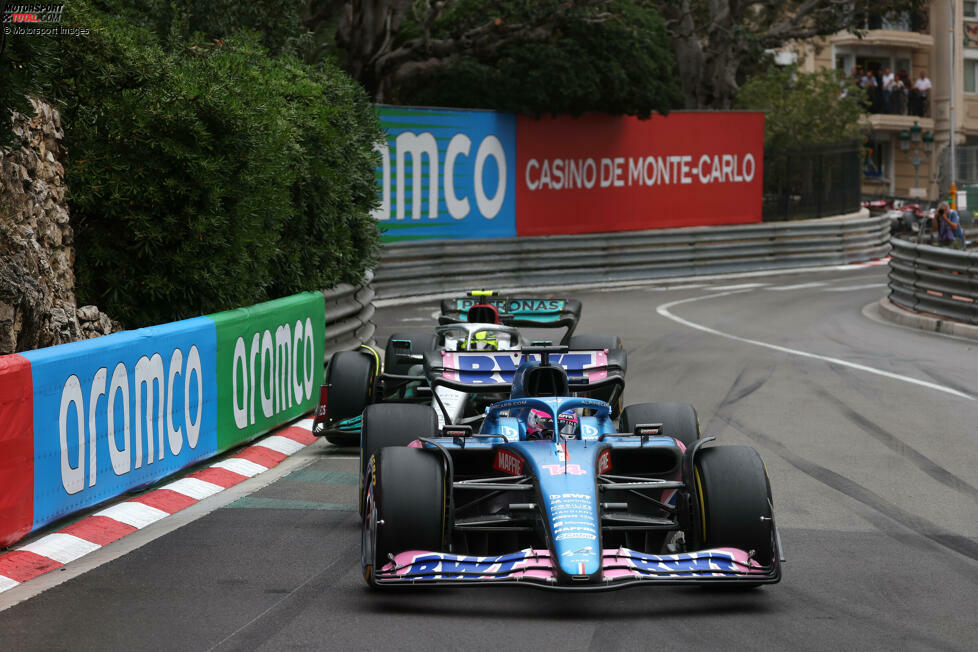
(37, 280)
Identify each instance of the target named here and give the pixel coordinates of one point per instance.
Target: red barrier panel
(16, 448)
(600, 173)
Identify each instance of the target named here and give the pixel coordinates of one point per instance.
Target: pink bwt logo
(560, 469)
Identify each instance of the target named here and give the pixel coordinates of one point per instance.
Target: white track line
(742, 286)
(664, 311)
(799, 286)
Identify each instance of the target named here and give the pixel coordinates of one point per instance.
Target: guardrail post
(916, 276)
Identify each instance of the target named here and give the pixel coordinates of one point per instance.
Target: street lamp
(917, 137)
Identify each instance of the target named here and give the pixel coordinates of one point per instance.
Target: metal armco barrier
(933, 280)
(414, 268)
(349, 310)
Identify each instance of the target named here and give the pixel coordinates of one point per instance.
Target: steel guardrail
(415, 268)
(349, 314)
(934, 280)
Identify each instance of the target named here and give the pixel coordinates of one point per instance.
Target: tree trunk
(689, 53)
(366, 31)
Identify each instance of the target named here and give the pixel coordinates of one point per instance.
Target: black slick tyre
(405, 507)
(394, 424)
(350, 377)
(678, 420)
(735, 501)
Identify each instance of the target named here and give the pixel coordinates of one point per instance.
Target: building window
(971, 76)
(970, 9)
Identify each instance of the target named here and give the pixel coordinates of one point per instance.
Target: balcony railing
(898, 101)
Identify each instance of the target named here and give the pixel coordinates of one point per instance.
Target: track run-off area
(869, 432)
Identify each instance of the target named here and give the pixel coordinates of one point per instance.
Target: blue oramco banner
(447, 174)
(119, 412)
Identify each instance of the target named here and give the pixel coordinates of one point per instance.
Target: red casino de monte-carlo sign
(608, 173)
(563, 175)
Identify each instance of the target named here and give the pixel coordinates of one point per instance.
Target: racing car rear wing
(527, 311)
(493, 371)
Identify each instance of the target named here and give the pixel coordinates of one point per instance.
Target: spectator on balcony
(920, 94)
(949, 231)
(888, 84)
(868, 83)
(904, 84)
(903, 78)
(842, 83)
(898, 98)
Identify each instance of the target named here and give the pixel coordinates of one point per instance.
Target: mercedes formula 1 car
(480, 321)
(548, 492)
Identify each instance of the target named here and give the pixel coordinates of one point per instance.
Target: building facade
(910, 44)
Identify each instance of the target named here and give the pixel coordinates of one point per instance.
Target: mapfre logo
(508, 463)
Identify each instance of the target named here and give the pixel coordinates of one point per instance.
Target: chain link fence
(813, 181)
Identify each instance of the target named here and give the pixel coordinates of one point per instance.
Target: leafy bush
(212, 178)
(804, 108)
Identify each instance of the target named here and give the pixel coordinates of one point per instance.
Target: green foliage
(804, 108)
(618, 63)
(23, 66)
(178, 22)
(210, 178)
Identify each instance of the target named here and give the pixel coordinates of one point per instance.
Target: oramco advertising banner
(119, 412)
(269, 365)
(82, 423)
(447, 174)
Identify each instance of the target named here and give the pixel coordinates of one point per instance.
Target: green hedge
(209, 176)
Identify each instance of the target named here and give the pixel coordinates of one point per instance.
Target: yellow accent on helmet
(483, 341)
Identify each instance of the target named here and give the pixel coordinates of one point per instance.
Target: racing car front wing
(620, 567)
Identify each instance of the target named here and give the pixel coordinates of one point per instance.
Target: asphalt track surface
(868, 431)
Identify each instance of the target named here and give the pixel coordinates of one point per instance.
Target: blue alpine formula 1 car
(551, 493)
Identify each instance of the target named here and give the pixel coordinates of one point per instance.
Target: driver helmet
(483, 341)
(540, 425)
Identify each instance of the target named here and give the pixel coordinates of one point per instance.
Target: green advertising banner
(269, 365)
